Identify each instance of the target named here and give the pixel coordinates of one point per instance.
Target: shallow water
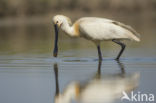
(33, 79)
(29, 73)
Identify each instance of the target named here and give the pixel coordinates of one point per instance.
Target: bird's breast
(76, 29)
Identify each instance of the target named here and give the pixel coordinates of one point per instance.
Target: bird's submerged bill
(56, 41)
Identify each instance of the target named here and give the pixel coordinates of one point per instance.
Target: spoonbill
(95, 29)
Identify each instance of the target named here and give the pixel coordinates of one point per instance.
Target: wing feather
(127, 27)
(105, 29)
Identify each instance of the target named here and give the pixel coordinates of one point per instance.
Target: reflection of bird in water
(56, 79)
(100, 89)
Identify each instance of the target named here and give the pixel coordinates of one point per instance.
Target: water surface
(29, 73)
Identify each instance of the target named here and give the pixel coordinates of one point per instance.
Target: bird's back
(105, 29)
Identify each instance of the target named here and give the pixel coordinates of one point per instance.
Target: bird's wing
(105, 29)
(127, 27)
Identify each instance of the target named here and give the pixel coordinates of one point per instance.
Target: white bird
(95, 29)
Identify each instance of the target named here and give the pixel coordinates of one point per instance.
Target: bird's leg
(99, 53)
(122, 48)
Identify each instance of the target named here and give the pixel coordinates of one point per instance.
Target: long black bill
(56, 41)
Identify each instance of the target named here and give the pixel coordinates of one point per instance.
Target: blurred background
(26, 25)
(26, 45)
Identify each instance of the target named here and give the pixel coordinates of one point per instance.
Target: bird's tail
(136, 38)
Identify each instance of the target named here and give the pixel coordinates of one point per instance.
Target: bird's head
(58, 21)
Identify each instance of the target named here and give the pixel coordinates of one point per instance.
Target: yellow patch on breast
(76, 29)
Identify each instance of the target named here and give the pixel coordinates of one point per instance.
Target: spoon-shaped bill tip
(55, 54)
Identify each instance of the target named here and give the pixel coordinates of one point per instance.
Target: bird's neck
(69, 30)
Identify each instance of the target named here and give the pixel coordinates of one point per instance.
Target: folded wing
(105, 29)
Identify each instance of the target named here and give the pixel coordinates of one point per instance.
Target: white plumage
(96, 29)
(105, 29)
